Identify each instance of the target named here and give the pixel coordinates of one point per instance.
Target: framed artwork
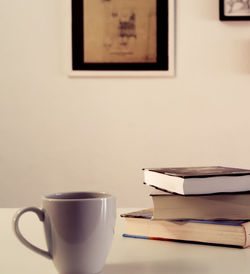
(122, 38)
(233, 10)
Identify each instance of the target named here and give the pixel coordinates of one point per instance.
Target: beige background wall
(60, 134)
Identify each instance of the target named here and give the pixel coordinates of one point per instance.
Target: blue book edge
(134, 236)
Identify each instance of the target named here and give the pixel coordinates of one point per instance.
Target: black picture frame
(237, 15)
(165, 46)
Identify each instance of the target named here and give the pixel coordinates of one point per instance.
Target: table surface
(127, 255)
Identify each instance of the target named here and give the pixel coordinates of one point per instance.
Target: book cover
(201, 171)
(198, 180)
(148, 214)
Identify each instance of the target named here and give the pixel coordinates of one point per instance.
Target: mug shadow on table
(173, 267)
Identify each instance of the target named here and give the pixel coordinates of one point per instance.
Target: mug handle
(19, 235)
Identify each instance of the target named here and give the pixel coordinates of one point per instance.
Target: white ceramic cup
(79, 227)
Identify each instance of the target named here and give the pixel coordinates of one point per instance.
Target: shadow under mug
(79, 228)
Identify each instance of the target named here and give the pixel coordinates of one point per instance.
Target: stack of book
(195, 204)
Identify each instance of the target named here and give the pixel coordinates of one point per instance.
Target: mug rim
(69, 196)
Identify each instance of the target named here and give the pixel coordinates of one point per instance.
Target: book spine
(145, 237)
(246, 227)
(247, 243)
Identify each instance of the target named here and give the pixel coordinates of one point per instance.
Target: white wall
(60, 134)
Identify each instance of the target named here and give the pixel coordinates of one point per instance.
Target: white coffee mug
(79, 227)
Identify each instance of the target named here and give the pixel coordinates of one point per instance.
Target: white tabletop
(127, 255)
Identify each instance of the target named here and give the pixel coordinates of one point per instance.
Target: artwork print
(123, 31)
(237, 7)
(122, 38)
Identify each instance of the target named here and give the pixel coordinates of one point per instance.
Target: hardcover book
(198, 180)
(231, 206)
(233, 233)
